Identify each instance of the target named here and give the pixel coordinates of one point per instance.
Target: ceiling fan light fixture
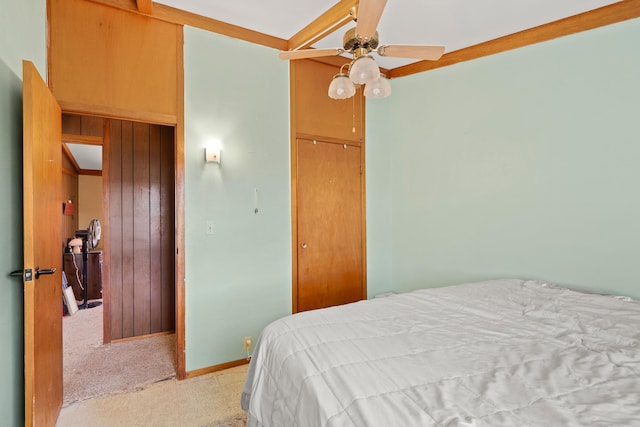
(380, 88)
(341, 87)
(364, 70)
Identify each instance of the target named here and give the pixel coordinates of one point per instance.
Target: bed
(494, 353)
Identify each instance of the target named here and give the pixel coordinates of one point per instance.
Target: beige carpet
(211, 400)
(132, 383)
(92, 369)
(238, 420)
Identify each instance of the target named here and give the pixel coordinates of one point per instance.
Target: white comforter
(496, 353)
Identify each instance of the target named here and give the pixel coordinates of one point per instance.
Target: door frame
(333, 121)
(177, 122)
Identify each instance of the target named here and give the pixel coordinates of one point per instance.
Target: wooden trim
(140, 337)
(334, 18)
(217, 368)
(181, 367)
(48, 29)
(106, 230)
(117, 113)
(617, 12)
(145, 6)
(69, 155)
(181, 17)
(91, 172)
(82, 139)
(69, 172)
(294, 187)
(363, 189)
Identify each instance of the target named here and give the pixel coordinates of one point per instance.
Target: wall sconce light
(212, 152)
(68, 208)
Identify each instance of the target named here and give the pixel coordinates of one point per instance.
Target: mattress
(494, 353)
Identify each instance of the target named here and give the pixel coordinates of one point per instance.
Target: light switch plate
(210, 229)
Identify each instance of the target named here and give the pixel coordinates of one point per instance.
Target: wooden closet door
(329, 213)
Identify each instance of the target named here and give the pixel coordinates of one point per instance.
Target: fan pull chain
(353, 99)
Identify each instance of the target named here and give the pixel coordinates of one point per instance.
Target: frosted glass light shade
(364, 70)
(341, 87)
(380, 88)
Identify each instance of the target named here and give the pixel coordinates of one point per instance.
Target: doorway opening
(121, 173)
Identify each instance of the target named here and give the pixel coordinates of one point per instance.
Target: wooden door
(42, 250)
(329, 224)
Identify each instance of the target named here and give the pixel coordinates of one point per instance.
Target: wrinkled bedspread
(496, 353)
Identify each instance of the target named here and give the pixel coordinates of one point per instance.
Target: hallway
(91, 369)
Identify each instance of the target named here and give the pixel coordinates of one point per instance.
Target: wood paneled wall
(75, 124)
(314, 113)
(112, 62)
(141, 228)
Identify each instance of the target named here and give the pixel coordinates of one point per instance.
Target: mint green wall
(521, 164)
(379, 189)
(239, 279)
(22, 36)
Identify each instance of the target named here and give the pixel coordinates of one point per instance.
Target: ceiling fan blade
(430, 53)
(310, 53)
(369, 13)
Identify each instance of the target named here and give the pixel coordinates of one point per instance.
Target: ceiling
(455, 24)
(87, 157)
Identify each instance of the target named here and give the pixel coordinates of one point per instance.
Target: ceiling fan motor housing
(351, 42)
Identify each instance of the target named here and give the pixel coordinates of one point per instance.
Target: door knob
(26, 275)
(303, 246)
(41, 272)
(16, 273)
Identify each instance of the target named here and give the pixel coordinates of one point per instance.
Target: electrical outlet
(248, 343)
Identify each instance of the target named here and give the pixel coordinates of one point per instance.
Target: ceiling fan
(360, 42)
